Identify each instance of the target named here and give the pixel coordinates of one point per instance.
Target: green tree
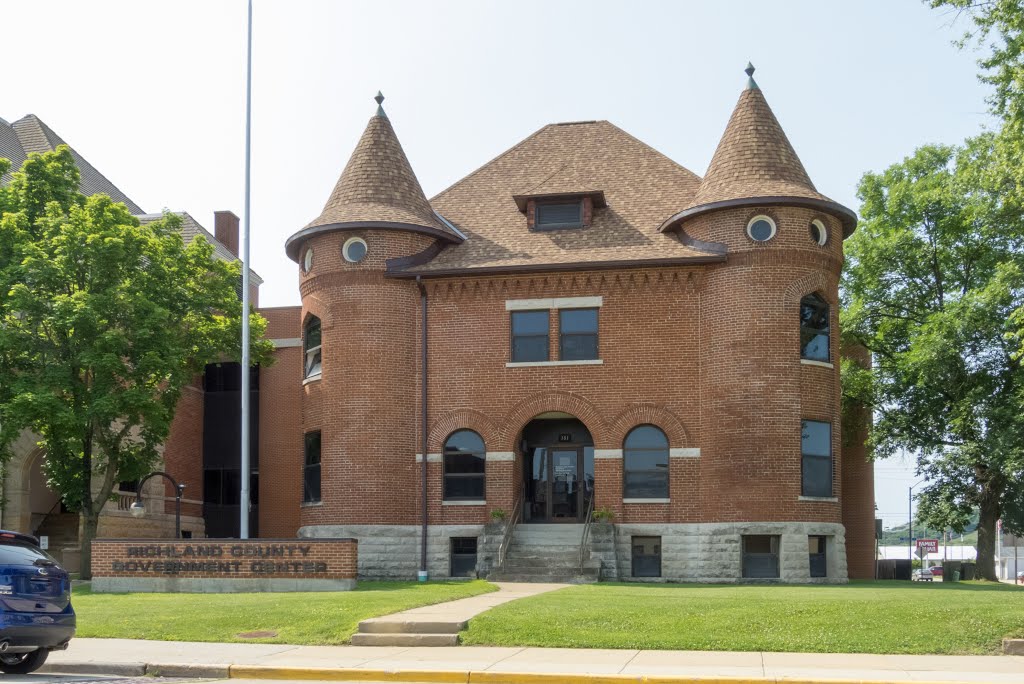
(103, 321)
(934, 275)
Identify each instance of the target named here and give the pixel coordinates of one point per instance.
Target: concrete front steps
(547, 553)
(408, 633)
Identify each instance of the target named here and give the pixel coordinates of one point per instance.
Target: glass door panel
(565, 485)
(538, 494)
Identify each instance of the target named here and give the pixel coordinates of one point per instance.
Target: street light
(910, 529)
(139, 510)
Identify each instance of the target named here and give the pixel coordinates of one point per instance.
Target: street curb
(90, 668)
(486, 677)
(188, 670)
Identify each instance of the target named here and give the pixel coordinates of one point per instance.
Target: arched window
(311, 344)
(645, 464)
(814, 328)
(464, 457)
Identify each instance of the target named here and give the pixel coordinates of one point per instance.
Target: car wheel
(23, 663)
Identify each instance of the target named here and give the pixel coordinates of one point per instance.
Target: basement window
(816, 555)
(646, 556)
(463, 557)
(761, 556)
(553, 215)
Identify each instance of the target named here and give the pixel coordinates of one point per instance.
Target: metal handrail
(586, 532)
(507, 538)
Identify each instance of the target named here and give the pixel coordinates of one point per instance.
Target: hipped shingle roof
(641, 187)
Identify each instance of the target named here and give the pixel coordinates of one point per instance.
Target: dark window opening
(313, 351)
(816, 450)
(577, 334)
(814, 328)
(645, 464)
(816, 555)
(761, 556)
(311, 469)
(464, 466)
(646, 556)
(550, 215)
(129, 486)
(462, 558)
(530, 336)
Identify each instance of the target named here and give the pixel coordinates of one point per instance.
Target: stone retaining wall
(224, 565)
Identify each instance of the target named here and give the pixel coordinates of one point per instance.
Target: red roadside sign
(928, 545)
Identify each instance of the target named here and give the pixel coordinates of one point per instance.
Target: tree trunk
(989, 514)
(89, 525)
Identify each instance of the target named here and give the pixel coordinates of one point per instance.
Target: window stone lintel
(646, 501)
(554, 303)
(468, 502)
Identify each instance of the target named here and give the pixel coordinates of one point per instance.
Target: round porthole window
(354, 250)
(307, 260)
(818, 232)
(761, 228)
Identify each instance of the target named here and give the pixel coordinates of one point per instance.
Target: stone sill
(311, 504)
(312, 378)
(826, 499)
(820, 364)
(533, 364)
(464, 503)
(646, 501)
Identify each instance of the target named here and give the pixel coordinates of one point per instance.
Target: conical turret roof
(377, 189)
(755, 164)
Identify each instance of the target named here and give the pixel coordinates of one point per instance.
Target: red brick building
(579, 325)
(580, 330)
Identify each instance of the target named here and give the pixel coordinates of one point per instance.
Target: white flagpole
(243, 528)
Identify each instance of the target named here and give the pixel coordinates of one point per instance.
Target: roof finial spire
(751, 83)
(379, 97)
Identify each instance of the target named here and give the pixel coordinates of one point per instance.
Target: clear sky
(152, 93)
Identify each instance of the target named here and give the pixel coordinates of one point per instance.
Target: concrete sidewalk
(439, 624)
(515, 665)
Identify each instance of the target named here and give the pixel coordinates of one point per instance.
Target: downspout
(422, 575)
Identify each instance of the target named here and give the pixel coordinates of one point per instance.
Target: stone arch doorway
(558, 469)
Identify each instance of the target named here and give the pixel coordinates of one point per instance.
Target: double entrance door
(559, 486)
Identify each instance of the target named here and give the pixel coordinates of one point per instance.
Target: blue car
(36, 616)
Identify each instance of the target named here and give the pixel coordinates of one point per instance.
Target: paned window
(464, 460)
(646, 556)
(311, 344)
(529, 336)
(816, 448)
(645, 464)
(577, 334)
(462, 562)
(311, 469)
(551, 215)
(814, 328)
(761, 556)
(816, 555)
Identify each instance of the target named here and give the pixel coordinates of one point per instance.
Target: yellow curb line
(485, 677)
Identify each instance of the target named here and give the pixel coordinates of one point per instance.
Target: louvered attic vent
(559, 215)
(560, 210)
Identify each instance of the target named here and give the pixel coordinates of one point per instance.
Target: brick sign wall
(211, 565)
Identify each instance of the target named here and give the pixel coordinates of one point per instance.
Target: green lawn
(862, 617)
(298, 618)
